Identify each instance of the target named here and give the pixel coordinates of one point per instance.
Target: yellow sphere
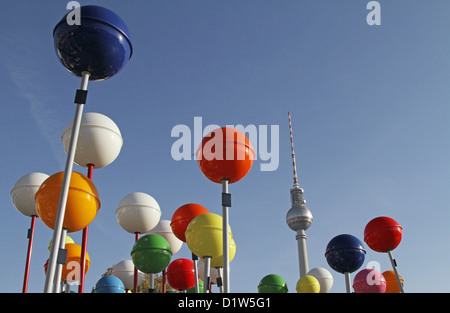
(308, 284)
(204, 235)
(81, 206)
(218, 261)
(68, 240)
(71, 270)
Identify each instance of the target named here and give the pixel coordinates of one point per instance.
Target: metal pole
(135, 269)
(30, 247)
(347, 282)
(151, 283)
(219, 279)
(394, 267)
(194, 259)
(84, 242)
(65, 189)
(226, 256)
(59, 266)
(207, 275)
(302, 254)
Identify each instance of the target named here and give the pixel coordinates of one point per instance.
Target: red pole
(135, 268)
(84, 242)
(164, 281)
(30, 247)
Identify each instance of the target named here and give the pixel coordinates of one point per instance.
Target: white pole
(59, 267)
(206, 274)
(394, 266)
(219, 271)
(194, 260)
(64, 190)
(151, 282)
(226, 245)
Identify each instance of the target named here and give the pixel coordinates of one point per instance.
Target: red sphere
(183, 216)
(225, 153)
(383, 234)
(180, 274)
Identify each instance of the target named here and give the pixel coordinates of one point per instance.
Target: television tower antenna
(298, 218)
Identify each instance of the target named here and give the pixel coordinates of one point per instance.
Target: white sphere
(324, 277)
(138, 212)
(99, 140)
(163, 229)
(124, 270)
(24, 190)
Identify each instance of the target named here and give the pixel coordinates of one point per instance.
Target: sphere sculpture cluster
(98, 49)
(95, 49)
(345, 254)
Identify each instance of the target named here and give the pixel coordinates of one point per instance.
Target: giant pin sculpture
(138, 213)
(384, 234)
(345, 254)
(22, 196)
(225, 156)
(99, 144)
(95, 50)
(179, 223)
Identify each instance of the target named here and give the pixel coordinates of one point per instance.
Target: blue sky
(369, 109)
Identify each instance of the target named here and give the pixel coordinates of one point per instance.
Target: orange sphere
(71, 270)
(183, 216)
(391, 282)
(225, 153)
(82, 201)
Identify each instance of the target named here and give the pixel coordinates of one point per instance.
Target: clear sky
(369, 109)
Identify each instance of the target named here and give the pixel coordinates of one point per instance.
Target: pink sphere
(369, 281)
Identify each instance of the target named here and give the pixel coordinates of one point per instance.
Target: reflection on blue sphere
(345, 253)
(100, 45)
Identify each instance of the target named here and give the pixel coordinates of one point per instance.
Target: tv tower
(298, 218)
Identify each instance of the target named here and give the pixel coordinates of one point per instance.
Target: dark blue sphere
(345, 253)
(109, 284)
(100, 45)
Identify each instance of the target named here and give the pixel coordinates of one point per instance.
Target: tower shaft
(302, 254)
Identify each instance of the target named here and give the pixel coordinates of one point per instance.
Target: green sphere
(272, 283)
(200, 288)
(151, 253)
